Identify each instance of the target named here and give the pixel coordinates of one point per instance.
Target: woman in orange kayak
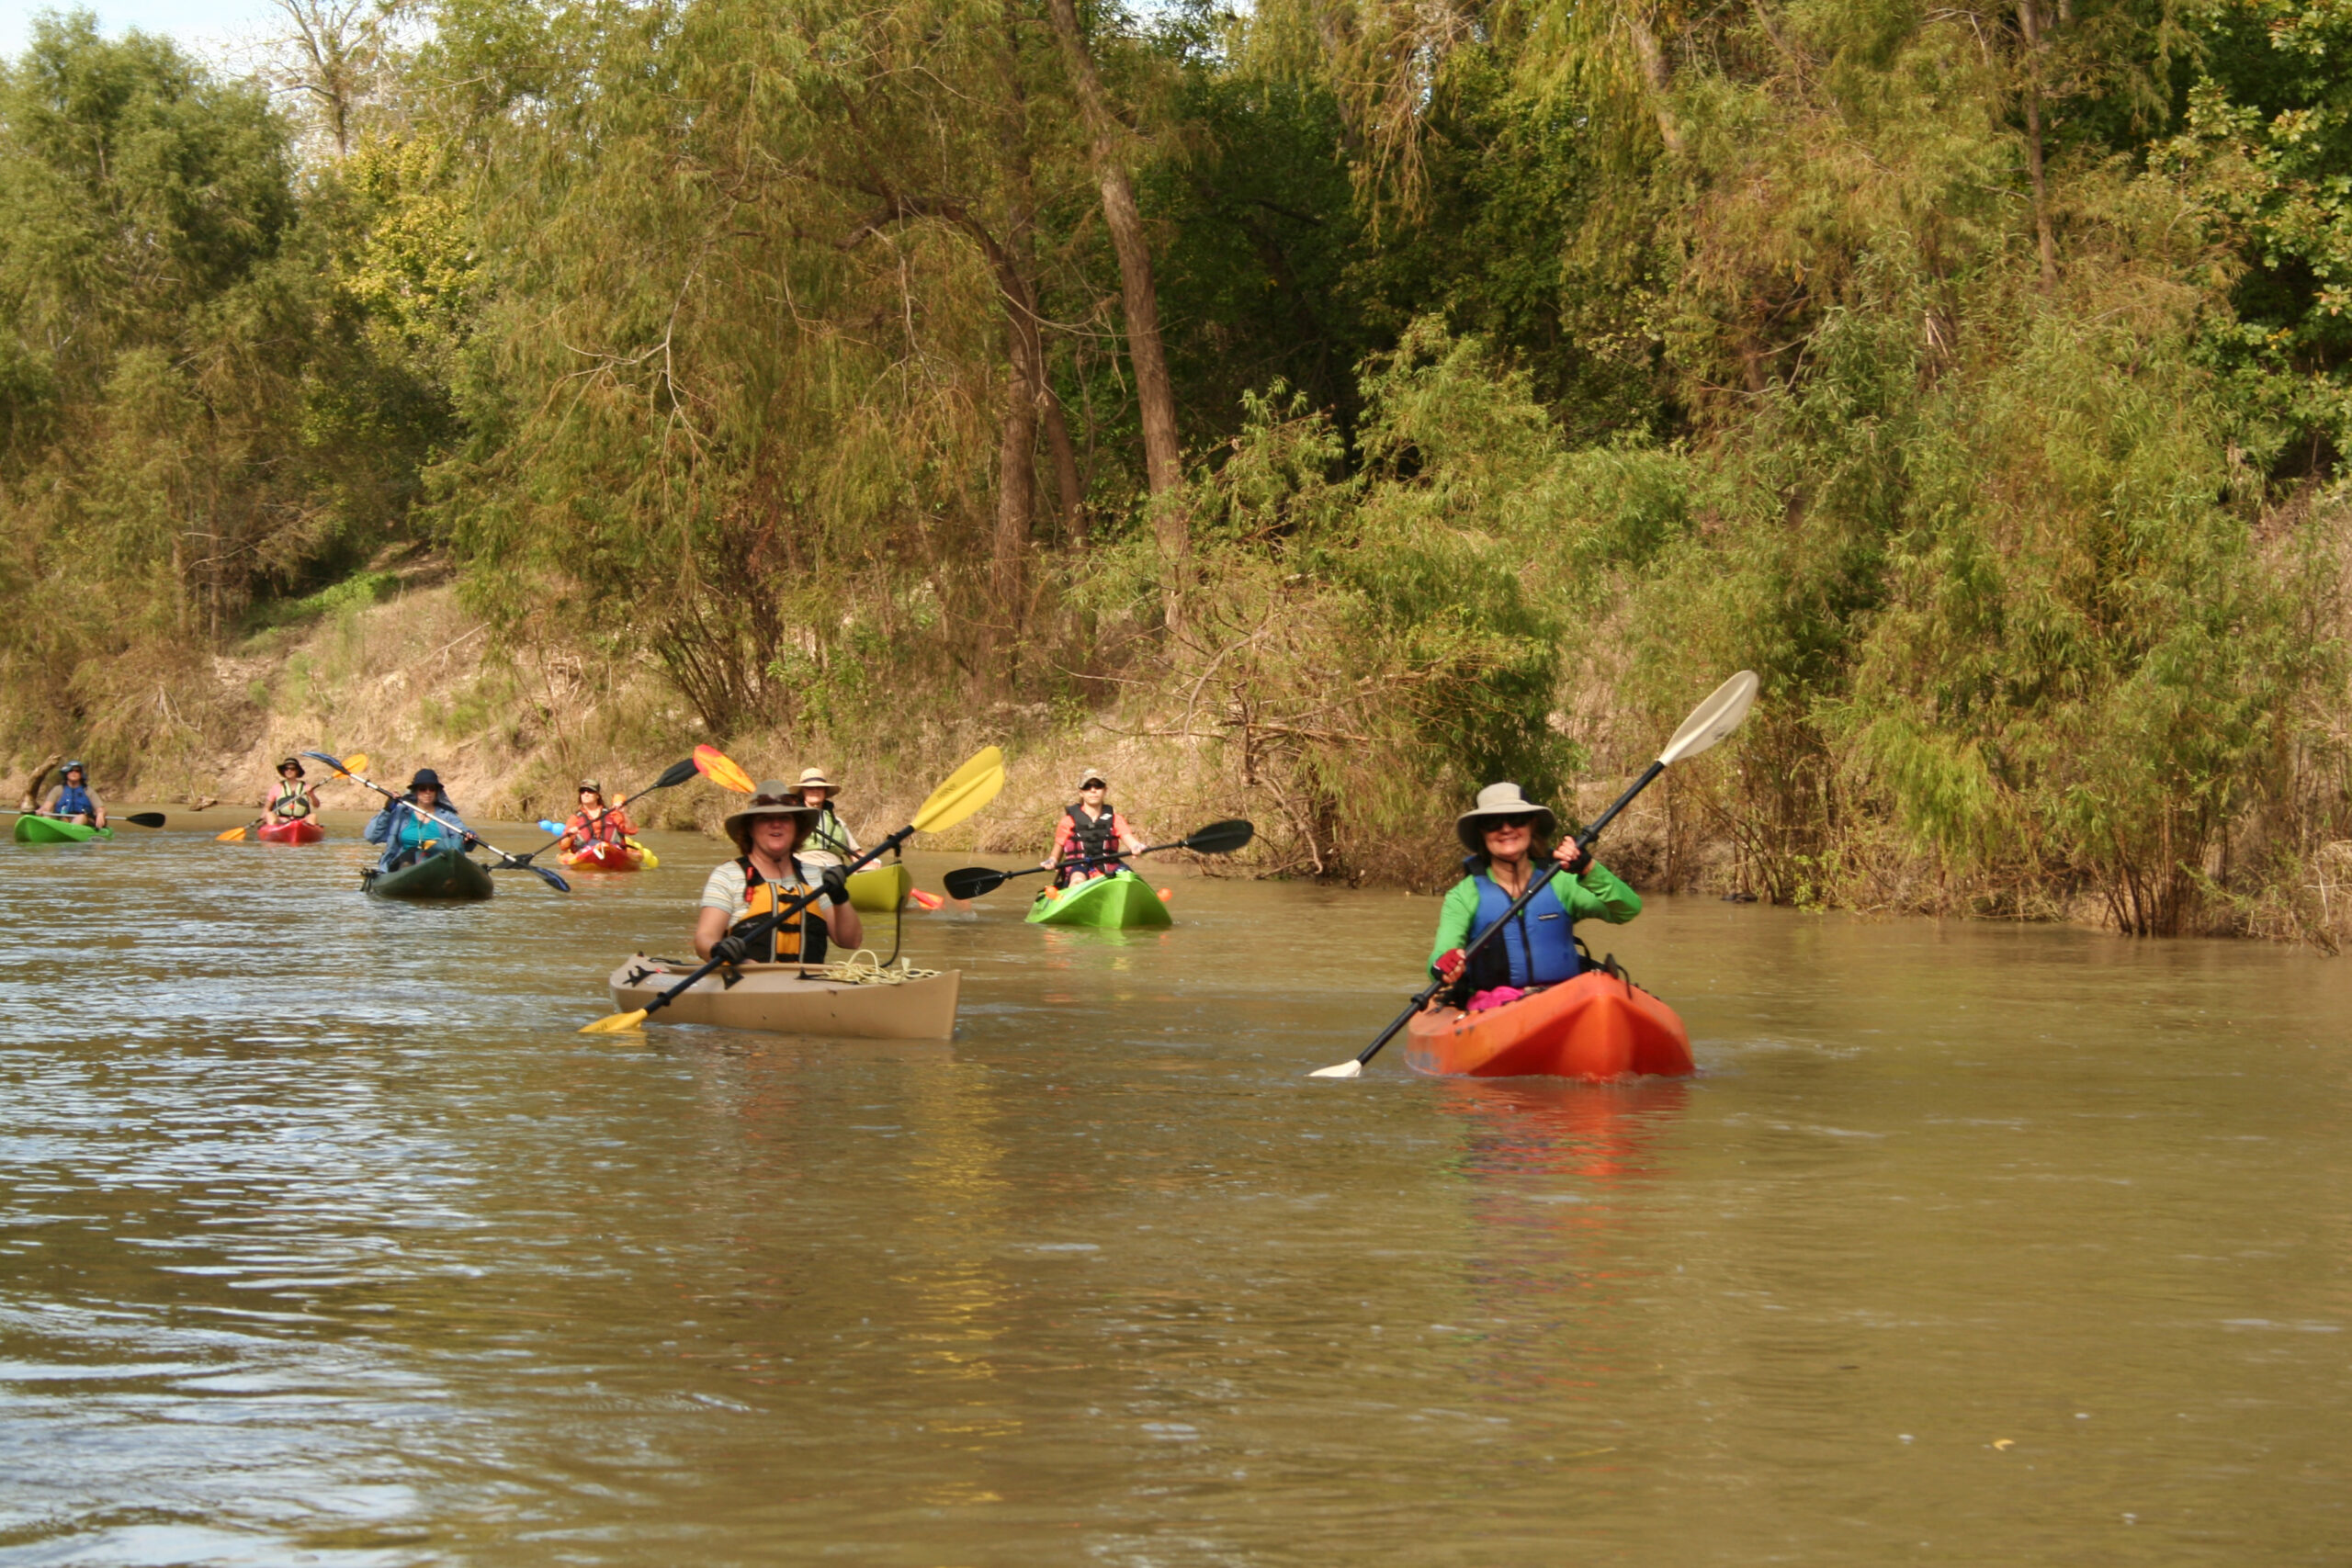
(595, 822)
(291, 799)
(1090, 838)
(1508, 836)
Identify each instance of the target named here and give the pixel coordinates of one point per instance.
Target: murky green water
(326, 1239)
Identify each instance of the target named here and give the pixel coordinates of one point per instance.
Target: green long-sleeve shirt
(1597, 894)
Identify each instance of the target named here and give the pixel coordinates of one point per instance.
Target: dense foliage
(1979, 375)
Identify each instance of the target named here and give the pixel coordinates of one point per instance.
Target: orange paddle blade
(719, 769)
(233, 836)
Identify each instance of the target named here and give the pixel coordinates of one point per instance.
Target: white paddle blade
(1713, 719)
(1350, 1068)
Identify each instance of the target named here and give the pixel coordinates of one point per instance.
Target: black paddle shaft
(758, 928)
(1216, 838)
(1534, 885)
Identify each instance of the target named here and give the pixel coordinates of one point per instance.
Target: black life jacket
(799, 938)
(1096, 840)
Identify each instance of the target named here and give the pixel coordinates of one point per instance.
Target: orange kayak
(605, 856)
(1596, 1026)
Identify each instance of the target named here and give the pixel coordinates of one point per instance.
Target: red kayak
(302, 830)
(1596, 1026)
(604, 855)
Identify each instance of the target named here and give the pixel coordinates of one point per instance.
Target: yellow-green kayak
(1121, 900)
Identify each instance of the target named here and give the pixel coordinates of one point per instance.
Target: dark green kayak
(449, 875)
(51, 831)
(1120, 900)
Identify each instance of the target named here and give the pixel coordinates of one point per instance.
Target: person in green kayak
(1091, 837)
(71, 799)
(417, 823)
(291, 800)
(768, 874)
(830, 841)
(1508, 836)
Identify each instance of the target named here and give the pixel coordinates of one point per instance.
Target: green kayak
(449, 875)
(880, 889)
(51, 831)
(1120, 899)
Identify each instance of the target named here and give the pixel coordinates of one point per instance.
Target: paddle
(137, 818)
(675, 773)
(1709, 723)
(962, 793)
(719, 769)
(1216, 838)
(504, 859)
(357, 761)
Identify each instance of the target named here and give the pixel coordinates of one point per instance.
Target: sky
(210, 27)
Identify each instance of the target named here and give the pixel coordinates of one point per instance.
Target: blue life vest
(1537, 949)
(72, 800)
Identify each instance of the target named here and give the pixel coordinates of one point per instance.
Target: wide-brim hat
(426, 779)
(773, 798)
(295, 763)
(814, 778)
(1091, 775)
(1500, 800)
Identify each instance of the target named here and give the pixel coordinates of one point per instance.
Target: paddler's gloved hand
(1449, 964)
(1574, 861)
(835, 882)
(730, 949)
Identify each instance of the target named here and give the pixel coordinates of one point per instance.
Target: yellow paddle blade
(233, 836)
(965, 790)
(618, 1023)
(719, 769)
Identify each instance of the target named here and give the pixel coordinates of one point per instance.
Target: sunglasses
(1499, 823)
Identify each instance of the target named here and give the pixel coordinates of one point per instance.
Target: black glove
(1580, 863)
(730, 949)
(835, 882)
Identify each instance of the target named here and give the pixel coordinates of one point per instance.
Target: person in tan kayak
(1509, 838)
(767, 875)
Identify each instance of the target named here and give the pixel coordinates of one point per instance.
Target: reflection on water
(328, 1239)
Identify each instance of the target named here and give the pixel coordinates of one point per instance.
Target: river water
(328, 1240)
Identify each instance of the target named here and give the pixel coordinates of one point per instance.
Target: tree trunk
(1162, 452)
(2045, 237)
(1016, 498)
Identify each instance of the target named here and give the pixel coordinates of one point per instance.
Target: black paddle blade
(973, 881)
(1222, 838)
(544, 874)
(145, 819)
(677, 773)
(334, 762)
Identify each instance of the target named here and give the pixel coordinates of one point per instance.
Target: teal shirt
(1597, 894)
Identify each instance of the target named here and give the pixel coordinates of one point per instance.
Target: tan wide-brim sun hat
(773, 798)
(814, 778)
(1500, 800)
(1091, 775)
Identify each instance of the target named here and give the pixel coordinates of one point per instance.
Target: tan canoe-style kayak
(777, 998)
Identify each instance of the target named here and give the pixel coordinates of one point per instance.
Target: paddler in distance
(1507, 836)
(595, 822)
(830, 841)
(71, 798)
(407, 827)
(767, 875)
(290, 799)
(1091, 836)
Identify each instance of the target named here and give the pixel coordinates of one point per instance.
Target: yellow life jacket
(290, 801)
(799, 938)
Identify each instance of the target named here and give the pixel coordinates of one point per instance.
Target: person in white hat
(830, 841)
(1090, 838)
(1509, 837)
(768, 876)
